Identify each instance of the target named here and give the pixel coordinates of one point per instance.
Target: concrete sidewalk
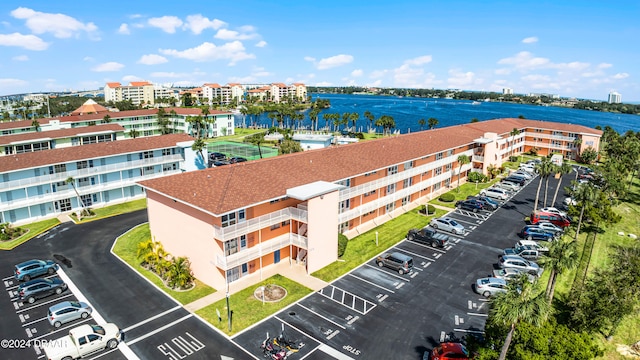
(293, 271)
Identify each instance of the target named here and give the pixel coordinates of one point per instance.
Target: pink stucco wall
(322, 233)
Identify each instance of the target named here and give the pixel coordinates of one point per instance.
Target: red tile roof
(226, 188)
(139, 83)
(212, 85)
(90, 151)
(89, 107)
(113, 84)
(60, 134)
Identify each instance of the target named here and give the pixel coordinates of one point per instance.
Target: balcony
(261, 222)
(263, 248)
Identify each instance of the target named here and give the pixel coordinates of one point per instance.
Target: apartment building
(136, 123)
(242, 218)
(42, 184)
(138, 92)
(213, 93)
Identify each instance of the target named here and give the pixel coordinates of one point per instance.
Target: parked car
(549, 227)
(508, 185)
(236, 159)
(514, 261)
(532, 232)
(83, 341)
(534, 244)
(554, 210)
(495, 193)
(471, 205)
(396, 261)
(40, 288)
(525, 252)
(510, 274)
(450, 351)
(487, 202)
(217, 156)
(555, 219)
(520, 180)
(220, 163)
(447, 224)
(568, 201)
(524, 174)
(490, 286)
(428, 236)
(67, 311)
(530, 168)
(28, 270)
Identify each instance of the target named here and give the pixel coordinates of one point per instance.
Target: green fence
(234, 149)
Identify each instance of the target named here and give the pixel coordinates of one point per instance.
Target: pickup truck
(428, 236)
(526, 252)
(82, 341)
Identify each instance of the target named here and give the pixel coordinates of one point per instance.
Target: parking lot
(374, 312)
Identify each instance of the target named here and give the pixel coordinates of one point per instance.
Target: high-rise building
(615, 98)
(507, 91)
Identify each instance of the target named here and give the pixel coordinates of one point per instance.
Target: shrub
(431, 209)
(7, 232)
(447, 197)
(360, 136)
(513, 159)
(477, 177)
(422, 209)
(342, 244)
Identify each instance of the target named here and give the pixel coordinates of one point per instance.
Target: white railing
(550, 136)
(261, 222)
(96, 170)
(263, 248)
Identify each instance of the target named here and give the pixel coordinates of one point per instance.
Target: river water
(407, 111)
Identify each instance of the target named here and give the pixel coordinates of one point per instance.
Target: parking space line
(467, 222)
(63, 328)
(44, 303)
(131, 342)
(372, 283)
(469, 331)
(388, 273)
(151, 318)
(34, 321)
(478, 314)
(322, 347)
(365, 301)
(18, 282)
(414, 254)
(8, 277)
(315, 313)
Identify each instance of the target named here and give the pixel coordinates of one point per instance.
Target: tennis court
(247, 151)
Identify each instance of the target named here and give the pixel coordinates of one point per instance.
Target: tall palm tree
(562, 256)
(71, 181)
(520, 303)
(354, 117)
(198, 146)
(552, 171)
(462, 160)
(584, 195)
(313, 116)
(422, 123)
(386, 122)
(174, 118)
(370, 117)
(134, 133)
(563, 169)
(36, 124)
(432, 122)
(106, 119)
(543, 169)
(515, 132)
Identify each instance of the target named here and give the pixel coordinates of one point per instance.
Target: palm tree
(36, 124)
(543, 169)
(552, 170)
(206, 119)
(256, 139)
(133, 133)
(432, 122)
(562, 255)
(386, 122)
(515, 132)
(174, 117)
(462, 160)
(422, 123)
(313, 116)
(179, 273)
(106, 119)
(563, 169)
(369, 116)
(153, 255)
(71, 181)
(518, 304)
(198, 146)
(584, 195)
(354, 117)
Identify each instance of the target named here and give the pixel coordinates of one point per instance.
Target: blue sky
(579, 49)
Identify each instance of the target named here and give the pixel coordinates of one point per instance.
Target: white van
(533, 244)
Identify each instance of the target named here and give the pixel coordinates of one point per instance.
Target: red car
(450, 351)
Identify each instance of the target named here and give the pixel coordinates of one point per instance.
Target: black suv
(217, 156)
(237, 159)
(40, 288)
(471, 205)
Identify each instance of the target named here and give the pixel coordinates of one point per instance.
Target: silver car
(67, 311)
(507, 185)
(447, 224)
(515, 261)
(509, 274)
(490, 286)
(495, 193)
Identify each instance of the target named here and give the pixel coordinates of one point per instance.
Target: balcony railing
(261, 222)
(261, 249)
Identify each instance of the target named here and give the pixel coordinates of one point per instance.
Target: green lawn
(33, 230)
(247, 310)
(114, 210)
(363, 247)
(126, 248)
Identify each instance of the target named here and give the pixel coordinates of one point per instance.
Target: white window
(392, 170)
(391, 188)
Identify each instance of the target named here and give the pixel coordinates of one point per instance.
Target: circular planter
(270, 293)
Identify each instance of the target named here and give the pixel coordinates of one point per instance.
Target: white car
(552, 210)
(447, 224)
(495, 193)
(82, 341)
(528, 168)
(536, 245)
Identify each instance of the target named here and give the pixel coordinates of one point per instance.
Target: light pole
(376, 238)
(228, 310)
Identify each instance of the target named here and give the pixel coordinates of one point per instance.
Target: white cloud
(621, 76)
(233, 51)
(524, 60)
(462, 80)
(20, 58)
(12, 84)
(29, 42)
(357, 73)
(421, 60)
(108, 66)
(88, 58)
(324, 83)
(572, 66)
(502, 71)
(124, 29)
(604, 65)
(226, 34)
(334, 61)
(152, 59)
(130, 78)
(261, 44)
(378, 74)
(60, 25)
(309, 58)
(530, 40)
(167, 24)
(198, 23)
(168, 74)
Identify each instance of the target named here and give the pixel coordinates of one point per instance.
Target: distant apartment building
(615, 98)
(507, 91)
(243, 218)
(214, 93)
(136, 123)
(138, 92)
(36, 185)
